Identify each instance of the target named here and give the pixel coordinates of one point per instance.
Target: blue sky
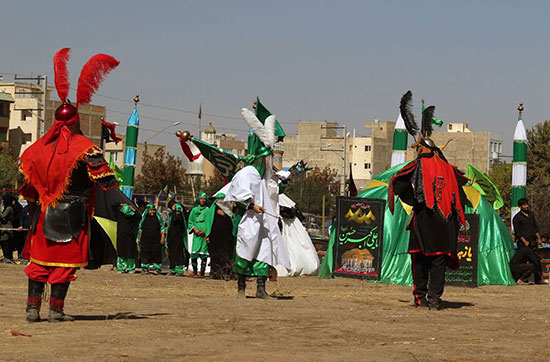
(345, 61)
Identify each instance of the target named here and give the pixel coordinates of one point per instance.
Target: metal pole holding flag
(130, 152)
(519, 164)
(200, 121)
(400, 138)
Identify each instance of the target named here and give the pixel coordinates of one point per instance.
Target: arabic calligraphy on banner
(467, 250)
(360, 225)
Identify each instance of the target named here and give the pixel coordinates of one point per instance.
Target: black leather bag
(67, 220)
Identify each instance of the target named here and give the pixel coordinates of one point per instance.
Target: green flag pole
(519, 164)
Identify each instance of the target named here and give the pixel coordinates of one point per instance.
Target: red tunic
(47, 171)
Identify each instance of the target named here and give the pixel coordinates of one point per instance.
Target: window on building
(367, 148)
(4, 109)
(367, 165)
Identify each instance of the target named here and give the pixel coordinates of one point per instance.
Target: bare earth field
(165, 318)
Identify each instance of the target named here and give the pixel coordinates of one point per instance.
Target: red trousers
(50, 274)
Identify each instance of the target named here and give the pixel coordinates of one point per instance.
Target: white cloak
(258, 236)
(303, 256)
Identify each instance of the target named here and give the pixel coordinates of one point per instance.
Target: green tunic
(197, 218)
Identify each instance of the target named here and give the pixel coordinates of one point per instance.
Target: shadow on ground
(122, 315)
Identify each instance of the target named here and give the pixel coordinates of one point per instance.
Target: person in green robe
(151, 240)
(176, 239)
(197, 226)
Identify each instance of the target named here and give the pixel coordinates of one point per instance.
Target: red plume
(92, 75)
(60, 60)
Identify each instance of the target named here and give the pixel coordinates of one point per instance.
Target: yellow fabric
(376, 183)
(473, 196)
(110, 227)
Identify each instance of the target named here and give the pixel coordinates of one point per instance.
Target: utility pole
(344, 153)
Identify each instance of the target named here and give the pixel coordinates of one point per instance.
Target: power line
(163, 107)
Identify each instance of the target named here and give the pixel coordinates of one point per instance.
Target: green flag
(435, 121)
(118, 171)
(262, 113)
(224, 161)
(481, 183)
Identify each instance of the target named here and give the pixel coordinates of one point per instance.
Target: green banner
(224, 161)
(485, 186)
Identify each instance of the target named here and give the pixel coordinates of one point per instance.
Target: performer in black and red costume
(60, 170)
(434, 188)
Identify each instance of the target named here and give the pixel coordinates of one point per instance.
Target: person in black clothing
(7, 222)
(221, 243)
(525, 227)
(128, 219)
(24, 226)
(434, 188)
(524, 264)
(176, 240)
(151, 239)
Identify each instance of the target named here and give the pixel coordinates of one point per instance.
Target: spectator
(524, 264)
(24, 226)
(6, 223)
(525, 227)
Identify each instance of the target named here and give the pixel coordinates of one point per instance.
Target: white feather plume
(270, 128)
(265, 134)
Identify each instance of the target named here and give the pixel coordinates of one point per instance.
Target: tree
(501, 175)
(538, 176)
(9, 167)
(308, 190)
(158, 171)
(214, 183)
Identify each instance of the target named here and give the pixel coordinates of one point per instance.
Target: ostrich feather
(405, 107)
(270, 129)
(427, 117)
(257, 126)
(92, 75)
(61, 73)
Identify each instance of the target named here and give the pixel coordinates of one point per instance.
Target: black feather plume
(406, 113)
(427, 117)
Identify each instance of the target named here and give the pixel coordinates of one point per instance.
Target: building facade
(479, 149)
(320, 144)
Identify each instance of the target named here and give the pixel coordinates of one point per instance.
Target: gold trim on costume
(64, 265)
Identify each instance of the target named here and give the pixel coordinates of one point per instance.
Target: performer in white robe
(259, 241)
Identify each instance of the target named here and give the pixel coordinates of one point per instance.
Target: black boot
(203, 267)
(195, 269)
(34, 300)
(260, 291)
(241, 284)
(57, 302)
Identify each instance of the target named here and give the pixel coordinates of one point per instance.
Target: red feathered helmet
(91, 76)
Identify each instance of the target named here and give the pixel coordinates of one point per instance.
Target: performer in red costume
(60, 170)
(434, 188)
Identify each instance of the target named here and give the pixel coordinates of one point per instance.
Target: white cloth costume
(258, 236)
(303, 256)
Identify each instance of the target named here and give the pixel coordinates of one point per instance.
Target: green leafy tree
(308, 190)
(538, 173)
(501, 176)
(158, 171)
(9, 168)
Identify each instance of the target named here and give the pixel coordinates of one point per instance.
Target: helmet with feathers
(91, 76)
(421, 136)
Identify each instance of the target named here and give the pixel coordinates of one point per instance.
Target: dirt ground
(166, 318)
